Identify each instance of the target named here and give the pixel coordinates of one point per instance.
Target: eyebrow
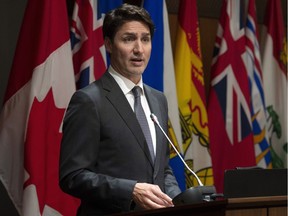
(134, 34)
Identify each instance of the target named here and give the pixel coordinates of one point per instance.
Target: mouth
(137, 61)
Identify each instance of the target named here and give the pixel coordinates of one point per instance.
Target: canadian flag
(39, 89)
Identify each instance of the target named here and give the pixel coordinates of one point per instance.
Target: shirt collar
(125, 84)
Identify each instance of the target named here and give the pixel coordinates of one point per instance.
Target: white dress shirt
(126, 86)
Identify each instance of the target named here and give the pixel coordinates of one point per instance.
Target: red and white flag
(89, 54)
(274, 64)
(39, 89)
(230, 129)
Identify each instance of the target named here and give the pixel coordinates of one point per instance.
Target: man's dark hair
(114, 19)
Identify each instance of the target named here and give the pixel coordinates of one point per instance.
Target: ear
(108, 44)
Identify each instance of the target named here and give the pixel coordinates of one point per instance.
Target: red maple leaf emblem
(42, 148)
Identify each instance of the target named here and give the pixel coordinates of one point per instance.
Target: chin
(137, 71)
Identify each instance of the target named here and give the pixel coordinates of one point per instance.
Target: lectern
(250, 206)
(247, 192)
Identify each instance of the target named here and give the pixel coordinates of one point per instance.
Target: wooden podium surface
(215, 208)
(248, 206)
(254, 206)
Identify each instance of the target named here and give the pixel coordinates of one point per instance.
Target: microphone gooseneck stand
(196, 194)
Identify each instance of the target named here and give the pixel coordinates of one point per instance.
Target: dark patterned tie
(138, 109)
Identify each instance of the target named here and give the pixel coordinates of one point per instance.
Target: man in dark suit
(105, 158)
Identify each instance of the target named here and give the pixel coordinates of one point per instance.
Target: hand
(150, 196)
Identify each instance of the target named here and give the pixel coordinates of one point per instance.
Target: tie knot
(136, 91)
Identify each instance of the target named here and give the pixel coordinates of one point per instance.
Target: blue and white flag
(160, 75)
(258, 107)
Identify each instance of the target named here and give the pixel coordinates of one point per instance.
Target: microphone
(191, 195)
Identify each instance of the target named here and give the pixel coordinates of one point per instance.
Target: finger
(161, 198)
(165, 202)
(162, 195)
(150, 204)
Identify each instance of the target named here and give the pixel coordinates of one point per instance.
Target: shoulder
(150, 90)
(90, 94)
(90, 90)
(97, 88)
(155, 95)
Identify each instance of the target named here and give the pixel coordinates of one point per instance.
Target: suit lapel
(155, 109)
(118, 100)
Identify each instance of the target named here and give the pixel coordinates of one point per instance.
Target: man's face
(130, 50)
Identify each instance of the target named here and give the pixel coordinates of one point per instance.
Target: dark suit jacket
(104, 152)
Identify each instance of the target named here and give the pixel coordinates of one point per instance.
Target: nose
(138, 47)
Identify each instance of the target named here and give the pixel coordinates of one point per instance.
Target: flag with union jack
(258, 106)
(89, 55)
(230, 128)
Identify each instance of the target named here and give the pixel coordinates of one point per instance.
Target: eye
(128, 39)
(146, 39)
